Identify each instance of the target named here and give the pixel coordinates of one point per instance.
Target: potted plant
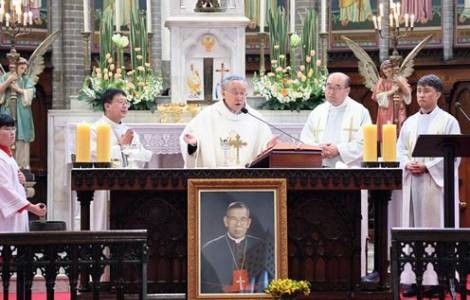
(284, 289)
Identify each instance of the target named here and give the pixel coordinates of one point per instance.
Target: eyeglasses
(235, 220)
(334, 88)
(237, 93)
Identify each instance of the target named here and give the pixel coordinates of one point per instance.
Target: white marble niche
(220, 37)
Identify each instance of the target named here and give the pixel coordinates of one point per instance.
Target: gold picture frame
(229, 214)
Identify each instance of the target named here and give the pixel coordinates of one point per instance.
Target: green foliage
(295, 86)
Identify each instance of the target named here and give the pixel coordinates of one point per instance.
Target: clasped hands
(127, 137)
(329, 151)
(416, 168)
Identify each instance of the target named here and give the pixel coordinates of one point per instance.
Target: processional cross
(237, 143)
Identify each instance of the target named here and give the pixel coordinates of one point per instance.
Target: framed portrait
(237, 237)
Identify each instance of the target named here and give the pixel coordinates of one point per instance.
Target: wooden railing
(448, 250)
(76, 253)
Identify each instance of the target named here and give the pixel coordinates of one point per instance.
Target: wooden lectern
(449, 146)
(289, 156)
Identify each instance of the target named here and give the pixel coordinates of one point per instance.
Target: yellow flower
(147, 65)
(308, 59)
(117, 76)
(110, 60)
(118, 70)
(279, 69)
(97, 70)
(318, 62)
(108, 55)
(312, 53)
(139, 56)
(141, 68)
(137, 49)
(112, 67)
(302, 68)
(105, 77)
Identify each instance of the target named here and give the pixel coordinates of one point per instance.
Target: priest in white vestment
(125, 144)
(336, 126)
(423, 177)
(14, 206)
(221, 135)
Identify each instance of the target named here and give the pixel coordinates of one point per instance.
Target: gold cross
(350, 129)
(316, 132)
(222, 70)
(237, 143)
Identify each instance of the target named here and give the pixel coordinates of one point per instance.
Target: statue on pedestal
(17, 93)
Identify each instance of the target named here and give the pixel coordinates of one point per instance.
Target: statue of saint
(17, 93)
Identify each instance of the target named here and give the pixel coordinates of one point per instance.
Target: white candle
(7, 20)
(292, 15)
(324, 8)
(381, 9)
(412, 22)
(117, 17)
(398, 8)
(86, 19)
(262, 15)
(374, 19)
(379, 22)
(25, 18)
(406, 20)
(149, 17)
(397, 21)
(30, 17)
(391, 21)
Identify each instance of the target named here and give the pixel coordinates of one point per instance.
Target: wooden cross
(237, 143)
(350, 129)
(222, 70)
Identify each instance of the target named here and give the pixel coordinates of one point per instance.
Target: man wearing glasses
(336, 126)
(115, 108)
(221, 135)
(236, 262)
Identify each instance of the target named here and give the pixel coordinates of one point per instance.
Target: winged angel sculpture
(17, 90)
(389, 85)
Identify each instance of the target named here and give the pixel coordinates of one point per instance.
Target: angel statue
(17, 93)
(390, 88)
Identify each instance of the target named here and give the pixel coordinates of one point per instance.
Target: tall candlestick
(82, 143)
(370, 143)
(149, 17)
(292, 15)
(117, 17)
(86, 16)
(262, 15)
(103, 142)
(389, 142)
(324, 8)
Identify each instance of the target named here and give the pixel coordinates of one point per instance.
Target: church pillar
(57, 55)
(164, 42)
(384, 43)
(448, 28)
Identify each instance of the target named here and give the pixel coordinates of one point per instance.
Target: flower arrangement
(288, 86)
(140, 83)
(287, 288)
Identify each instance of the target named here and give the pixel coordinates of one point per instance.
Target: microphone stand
(245, 111)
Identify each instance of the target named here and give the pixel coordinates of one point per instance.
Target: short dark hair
(237, 204)
(432, 81)
(6, 120)
(109, 94)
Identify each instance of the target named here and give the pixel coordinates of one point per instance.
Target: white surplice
(12, 197)
(423, 199)
(342, 126)
(214, 127)
(99, 219)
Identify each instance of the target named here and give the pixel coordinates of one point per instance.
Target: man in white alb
(423, 177)
(115, 108)
(336, 126)
(221, 135)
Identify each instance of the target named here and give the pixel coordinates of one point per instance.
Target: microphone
(245, 111)
(458, 106)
